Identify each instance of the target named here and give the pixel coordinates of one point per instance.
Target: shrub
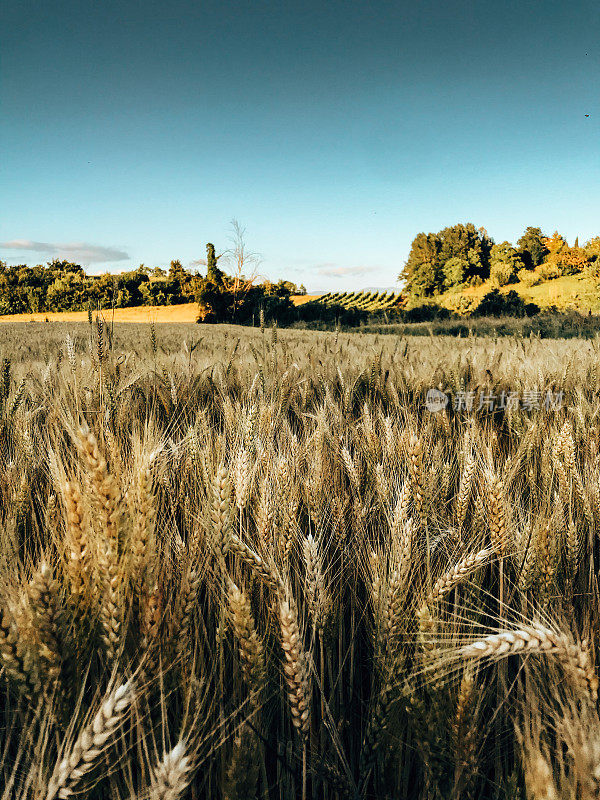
(476, 280)
(330, 314)
(547, 271)
(497, 304)
(528, 277)
(592, 249)
(572, 260)
(426, 313)
(592, 270)
(501, 273)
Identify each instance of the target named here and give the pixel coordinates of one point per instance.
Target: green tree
(422, 271)
(455, 271)
(176, 271)
(182, 282)
(425, 273)
(468, 243)
(505, 262)
(132, 283)
(68, 292)
(531, 247)
(157, 292)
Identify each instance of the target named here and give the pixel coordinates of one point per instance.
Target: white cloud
(73, 251)
(341, 272)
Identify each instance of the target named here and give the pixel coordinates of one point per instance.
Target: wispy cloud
(75, 251)
(330, 271)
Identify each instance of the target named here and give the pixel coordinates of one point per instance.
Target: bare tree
(238, 254)
(241, 260)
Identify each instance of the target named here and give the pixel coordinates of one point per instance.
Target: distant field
(300, 299)
(186, 312)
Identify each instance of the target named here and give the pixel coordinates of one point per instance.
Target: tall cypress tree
(213, 273)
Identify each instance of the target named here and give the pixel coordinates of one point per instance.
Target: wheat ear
(463, 727)
(464, 494)
(295, 667)
(107, 494)
(315, 584)
(11, 657)
(77, 551)
(267, 573)
(458, 573)
(221, 513)
(181, 623)
(251, 648)
(91, 743)
(44, 598)
(575, 658)
(172, 775)
(145, 518)
(415, 466)
(498, 533)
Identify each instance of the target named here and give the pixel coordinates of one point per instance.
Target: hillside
(569, 291)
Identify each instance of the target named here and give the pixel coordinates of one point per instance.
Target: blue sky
(133, 132)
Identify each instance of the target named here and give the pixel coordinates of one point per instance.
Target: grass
(254, 565)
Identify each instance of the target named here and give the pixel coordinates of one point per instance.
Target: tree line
(463, 255)
(456, 257)
(65, 286)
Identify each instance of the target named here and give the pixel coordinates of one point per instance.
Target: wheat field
(252, 564)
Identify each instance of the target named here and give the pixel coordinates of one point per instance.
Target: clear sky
(334, 131)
